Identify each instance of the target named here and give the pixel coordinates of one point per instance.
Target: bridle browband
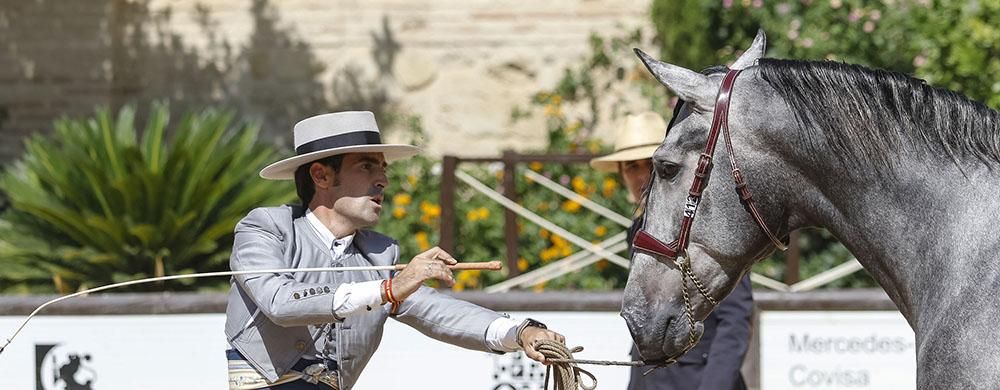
(676, 251)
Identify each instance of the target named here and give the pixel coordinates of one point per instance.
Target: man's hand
(530, 335)
(432, 264)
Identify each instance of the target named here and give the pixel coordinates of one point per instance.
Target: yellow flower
(571, 206)
(565, 251)
(579, 185)
(600, 230)
(536, 166)
(559, 242)
(472, 216)
(556, 99)
(398, 212)
(422, 243)
(430, 209)
(402, 199)
(609, 186)
(539, 287)
(522, 264)
(412, 180)
(483, 212)
(468, 279)
(430, 212)
(544, 233)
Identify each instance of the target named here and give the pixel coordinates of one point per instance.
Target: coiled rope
(568, 376)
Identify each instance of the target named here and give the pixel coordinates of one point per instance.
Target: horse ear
(689, 85)
(754, 53)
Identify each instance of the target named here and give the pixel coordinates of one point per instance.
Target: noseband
(676, 251)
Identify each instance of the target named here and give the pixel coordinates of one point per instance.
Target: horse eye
(667, 170)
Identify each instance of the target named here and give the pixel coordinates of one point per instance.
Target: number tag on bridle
(691, 206)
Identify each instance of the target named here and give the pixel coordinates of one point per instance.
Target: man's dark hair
(303, 182)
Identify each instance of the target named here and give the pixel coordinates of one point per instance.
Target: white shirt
(351, 298)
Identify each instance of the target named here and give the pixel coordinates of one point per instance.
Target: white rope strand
(186, 276)
(513, 206)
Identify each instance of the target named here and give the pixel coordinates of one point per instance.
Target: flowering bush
(951, 44)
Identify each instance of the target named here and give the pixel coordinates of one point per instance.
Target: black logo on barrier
(514, 371)
(57, 368)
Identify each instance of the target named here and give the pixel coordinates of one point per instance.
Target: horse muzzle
(661, 335)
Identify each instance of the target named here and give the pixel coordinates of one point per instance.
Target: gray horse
(904, 174)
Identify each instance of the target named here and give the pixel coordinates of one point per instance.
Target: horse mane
(870, 115)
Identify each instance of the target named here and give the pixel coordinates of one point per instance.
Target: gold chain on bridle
(567, 375)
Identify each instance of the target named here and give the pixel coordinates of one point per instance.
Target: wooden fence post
(447, 222)
(792, 259)
(510, 218)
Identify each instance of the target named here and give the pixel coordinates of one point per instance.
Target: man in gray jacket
(317, 330)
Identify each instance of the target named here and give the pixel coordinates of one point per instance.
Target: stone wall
(460, 65)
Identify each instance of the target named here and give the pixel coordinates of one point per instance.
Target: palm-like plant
(94, 204)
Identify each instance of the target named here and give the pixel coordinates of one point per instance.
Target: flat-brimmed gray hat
(327, 135)
(638, 137)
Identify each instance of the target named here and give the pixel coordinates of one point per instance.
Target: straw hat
(326, 135)
(638, 137)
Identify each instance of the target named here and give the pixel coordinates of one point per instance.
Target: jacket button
(326, 289)
(312, 291)
(300, 345)
(296, 296)
(704, 355)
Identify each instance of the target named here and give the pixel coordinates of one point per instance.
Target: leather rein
(676, 251)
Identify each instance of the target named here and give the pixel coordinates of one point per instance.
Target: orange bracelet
(388, 291)
(384, 292)
(395, 303)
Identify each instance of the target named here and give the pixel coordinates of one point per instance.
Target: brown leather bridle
(676, 251)
(720, 121)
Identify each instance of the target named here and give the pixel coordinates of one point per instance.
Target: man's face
(357, 190)
(636, 173)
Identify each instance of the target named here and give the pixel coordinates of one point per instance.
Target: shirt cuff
(501, 335)
(351, 298)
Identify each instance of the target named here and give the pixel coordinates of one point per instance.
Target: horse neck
(918, 228)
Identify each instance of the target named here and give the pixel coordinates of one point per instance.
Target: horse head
(662, 305)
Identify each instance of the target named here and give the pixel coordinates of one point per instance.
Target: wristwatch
(524, 325)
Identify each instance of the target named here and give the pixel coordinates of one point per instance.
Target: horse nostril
(634, 324)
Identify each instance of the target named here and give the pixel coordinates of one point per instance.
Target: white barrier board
(836, 350)
(187, 352)
(115, 352)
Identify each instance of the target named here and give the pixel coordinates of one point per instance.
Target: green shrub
(94, 203)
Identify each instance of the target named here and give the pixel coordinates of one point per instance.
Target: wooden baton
(485, 266)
